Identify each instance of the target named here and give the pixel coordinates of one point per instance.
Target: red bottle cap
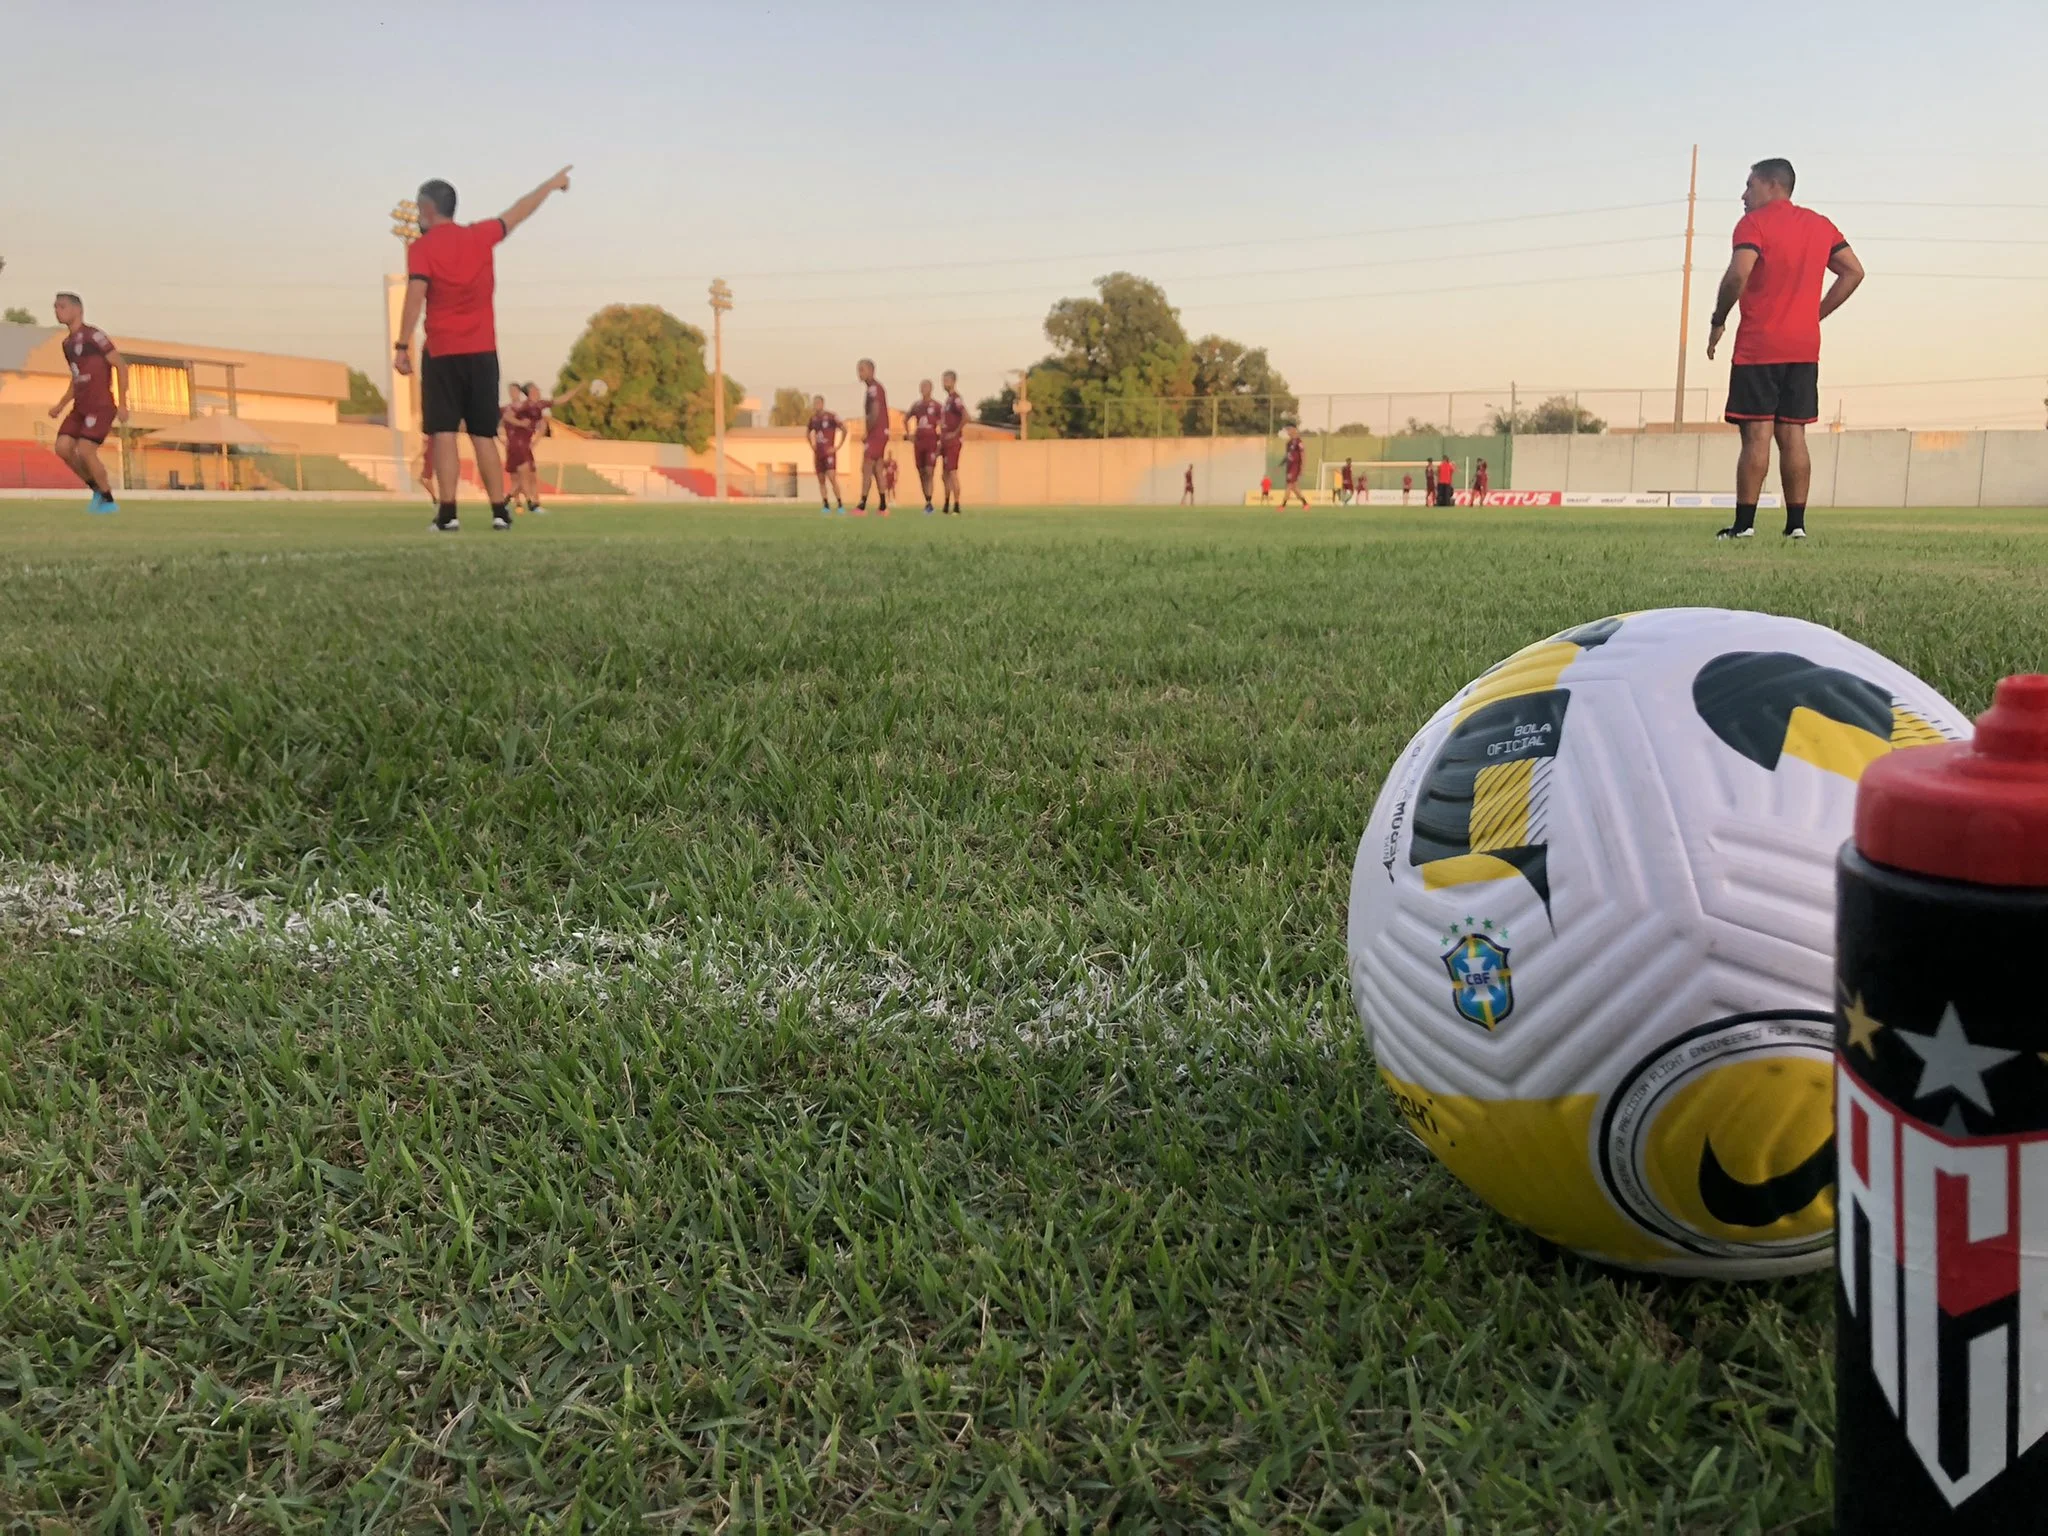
(1968, 810)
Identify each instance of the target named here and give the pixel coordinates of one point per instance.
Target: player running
(450, 276)
(1781, 250)
(827, 434)
(1187, 487)
(1291, 467)
(875, 450)
(952, 432)
(922, 421)
(95, 363)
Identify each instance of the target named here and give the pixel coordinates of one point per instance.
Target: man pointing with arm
(452, 279)
(1781, 252)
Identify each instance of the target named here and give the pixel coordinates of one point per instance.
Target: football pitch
(691, 1019)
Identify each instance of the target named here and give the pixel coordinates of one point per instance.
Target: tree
(1249, 394)
(364, 398)
(1556, 416)
(1122, 366)
(16, 315)
(1414, 428)
(792, 408)
(1000, 410)
(660, 384)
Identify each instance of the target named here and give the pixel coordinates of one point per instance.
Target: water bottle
(1941, 1135)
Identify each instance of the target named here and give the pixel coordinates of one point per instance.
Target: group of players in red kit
(937, 427)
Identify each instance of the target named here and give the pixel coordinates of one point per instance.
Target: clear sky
(918, 183)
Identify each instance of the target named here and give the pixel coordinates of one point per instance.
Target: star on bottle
(1949, 1062)
(1862, 1027)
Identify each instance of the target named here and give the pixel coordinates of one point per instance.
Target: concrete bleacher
(698, 482)
(28, 466)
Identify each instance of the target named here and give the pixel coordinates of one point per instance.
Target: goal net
(1373, 475)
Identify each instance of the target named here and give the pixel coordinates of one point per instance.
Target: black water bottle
(1941, 1135)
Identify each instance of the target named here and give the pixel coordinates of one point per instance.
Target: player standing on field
(922, 422)
(1429, 484)
(94, 361)
(1187, 488)
(533, 408)
(1480, 479)
(875, 450)
(452, 279)
(827, 433)
(1446, 482)
(1292, 467)
(1347, 482)
(1781, 250)
(952, 432)
(1407, 487)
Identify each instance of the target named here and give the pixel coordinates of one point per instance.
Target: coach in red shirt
(1781, 252)
(452, 278)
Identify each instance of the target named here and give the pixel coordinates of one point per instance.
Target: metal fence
(1538, 409)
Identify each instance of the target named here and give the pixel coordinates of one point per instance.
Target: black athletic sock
(1745, 516)
(1795, 515)
(501, 512)
(446, 514)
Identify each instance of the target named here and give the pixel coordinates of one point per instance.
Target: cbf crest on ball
(1592, 930)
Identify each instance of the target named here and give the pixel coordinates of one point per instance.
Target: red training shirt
(1781, 305)
(954, 420)
(1446, 472)
(1295, 449)
(92, 377)
(824, 432)
(455, 259)
(923, 417)
(877, 410)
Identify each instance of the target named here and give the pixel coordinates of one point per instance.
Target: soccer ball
(1592, 930)
(599, 389)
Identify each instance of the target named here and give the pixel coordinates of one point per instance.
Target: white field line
(1066, 1001)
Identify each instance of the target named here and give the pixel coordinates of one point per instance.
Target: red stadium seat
(30, 466)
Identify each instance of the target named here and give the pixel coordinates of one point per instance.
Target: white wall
(1850, 469)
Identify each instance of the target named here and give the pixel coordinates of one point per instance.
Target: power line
(1018, 261)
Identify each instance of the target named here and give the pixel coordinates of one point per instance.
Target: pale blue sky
(918, 183)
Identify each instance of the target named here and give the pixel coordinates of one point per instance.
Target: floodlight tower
(398, 389)
(721, 304)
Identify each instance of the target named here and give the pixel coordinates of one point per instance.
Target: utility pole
(1692, 197)
(721, 303)
(405, 223)
(1023, 403)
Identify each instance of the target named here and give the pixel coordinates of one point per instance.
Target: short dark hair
(74, 298)
(440, 196)
(1777, 170)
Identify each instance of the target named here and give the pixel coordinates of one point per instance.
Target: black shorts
(1444, 494)
(459, 394)
(1774, 392)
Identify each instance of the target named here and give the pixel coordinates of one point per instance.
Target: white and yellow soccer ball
(1592, 930)
(599, 389)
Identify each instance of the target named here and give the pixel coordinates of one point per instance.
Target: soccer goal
(1369, 475)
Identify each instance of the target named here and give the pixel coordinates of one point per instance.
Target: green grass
(674, 1019)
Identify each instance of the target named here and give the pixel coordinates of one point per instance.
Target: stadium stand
(32, 467)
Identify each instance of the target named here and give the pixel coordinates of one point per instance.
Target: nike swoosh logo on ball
(1736, 1204)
